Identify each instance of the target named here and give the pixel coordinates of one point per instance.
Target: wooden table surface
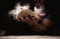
(29, 37)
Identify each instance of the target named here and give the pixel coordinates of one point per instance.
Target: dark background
(13, 27)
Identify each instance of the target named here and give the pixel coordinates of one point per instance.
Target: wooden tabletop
(29, 37)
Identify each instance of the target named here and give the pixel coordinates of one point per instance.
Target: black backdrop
(13, 27)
